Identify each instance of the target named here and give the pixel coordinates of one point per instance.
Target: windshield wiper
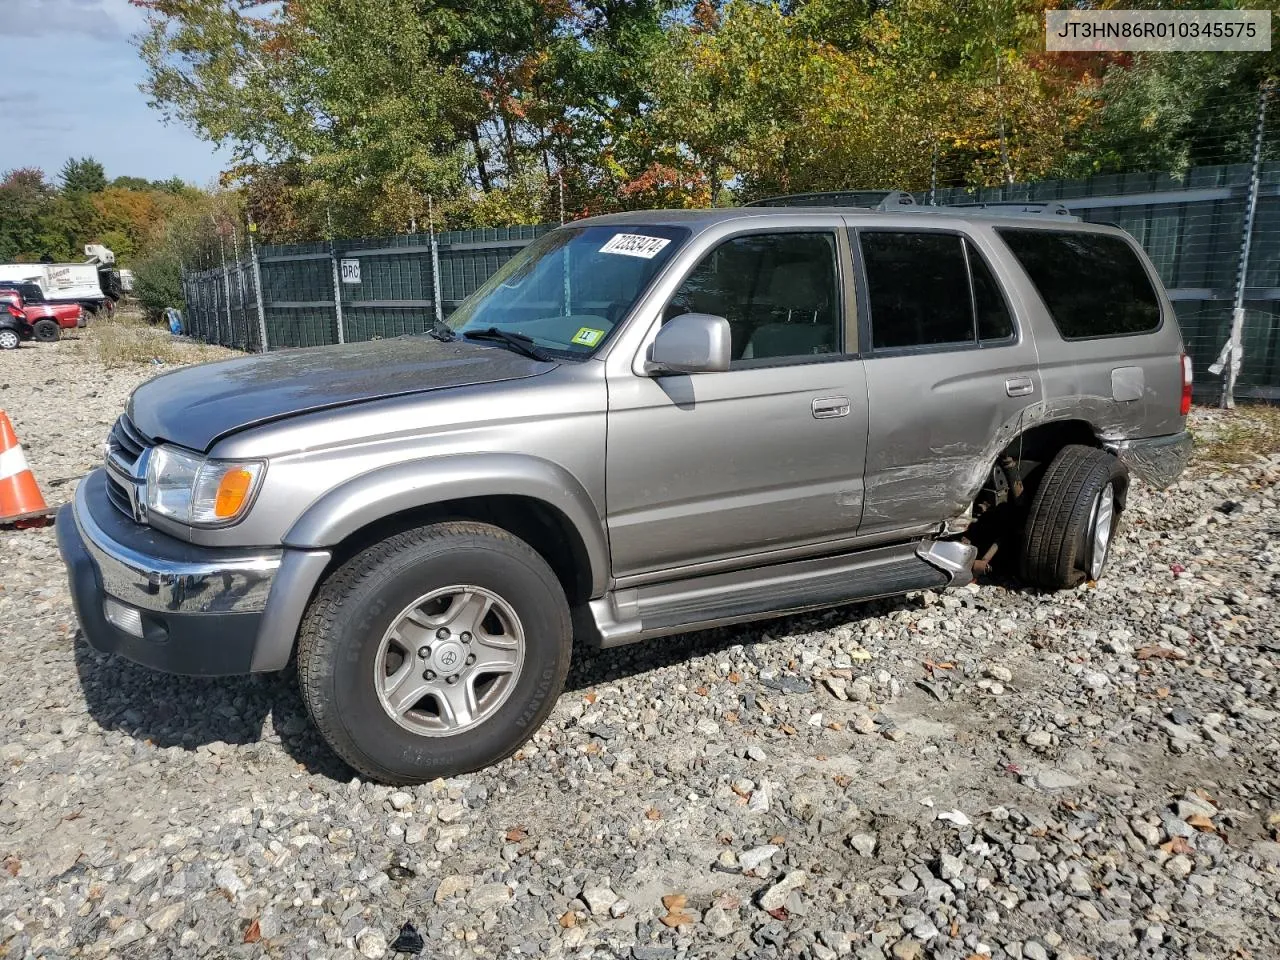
(442, 331)
(517, 341)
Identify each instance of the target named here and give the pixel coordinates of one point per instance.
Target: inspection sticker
(587, 336)
(634, 245)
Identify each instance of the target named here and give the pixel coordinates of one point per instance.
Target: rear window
(1093, 284)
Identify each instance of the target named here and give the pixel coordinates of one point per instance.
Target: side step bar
(657, 610)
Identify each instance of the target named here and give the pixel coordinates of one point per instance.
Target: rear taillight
(16, 312)
(1185, 407)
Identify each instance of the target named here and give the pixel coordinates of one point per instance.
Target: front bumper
(1157, 460)
(179, 607)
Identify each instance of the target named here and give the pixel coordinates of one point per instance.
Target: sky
(69, 88)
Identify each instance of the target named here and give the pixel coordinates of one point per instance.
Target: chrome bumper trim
(230, 583)
(1157, 460)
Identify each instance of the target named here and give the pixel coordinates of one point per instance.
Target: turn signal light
(232, 490)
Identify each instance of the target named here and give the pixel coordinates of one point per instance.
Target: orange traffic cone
(20, 498)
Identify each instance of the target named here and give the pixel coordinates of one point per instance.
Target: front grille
(126, 439)
(125, 467)
(118, 494)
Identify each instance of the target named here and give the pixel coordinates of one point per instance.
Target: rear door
(949, 372)
(1110, 350)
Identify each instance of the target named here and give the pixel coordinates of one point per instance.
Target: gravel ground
(1084, 775)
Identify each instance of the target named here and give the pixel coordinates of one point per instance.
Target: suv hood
(195, 406)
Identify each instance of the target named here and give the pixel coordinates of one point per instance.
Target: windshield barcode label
(634, 245)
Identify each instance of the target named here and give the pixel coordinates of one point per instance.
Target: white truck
(74, 282)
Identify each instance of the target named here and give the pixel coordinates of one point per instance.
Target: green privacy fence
(1191, 226)
(306, 295)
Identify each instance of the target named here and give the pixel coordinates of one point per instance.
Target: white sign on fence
(350, 271)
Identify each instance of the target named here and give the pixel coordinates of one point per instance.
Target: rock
(1038, 738)
(776, 896)
(1095, 680)
(863, 843)
(908, 949)
(1034, 951)
(949, 866)
(755, 753)
(619, 908)
(400, 800)
(599, 899)
(228, 881)
(451, 886)
(749, 860)
(1025, 852)
(759, 802)
(371, 943)
(131, 932)
(718, 922)
(450, 812)
(1179, 866)
(863, 724)
(489, 895)
(1002, 674)
(165, 917)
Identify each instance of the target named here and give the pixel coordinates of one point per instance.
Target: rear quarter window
(1093, 284)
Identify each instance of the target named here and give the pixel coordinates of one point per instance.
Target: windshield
(570, 288)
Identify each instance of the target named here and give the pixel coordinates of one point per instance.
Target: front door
(949, 374)
(765, 456)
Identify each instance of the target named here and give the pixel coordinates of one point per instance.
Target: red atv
(48, 318)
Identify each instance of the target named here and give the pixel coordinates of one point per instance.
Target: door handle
(1019, 386)
(826, 407)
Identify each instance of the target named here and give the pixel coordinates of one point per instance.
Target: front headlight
(199, 492)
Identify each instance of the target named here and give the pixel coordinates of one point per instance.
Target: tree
(83, 176)
(369, 107)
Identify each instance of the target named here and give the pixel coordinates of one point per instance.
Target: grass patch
(1237, 436)
(128, 340)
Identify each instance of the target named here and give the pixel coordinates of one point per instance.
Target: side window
(929, 289)
(994, 321)
(779, 292)
(918, 286)
(1092, 284)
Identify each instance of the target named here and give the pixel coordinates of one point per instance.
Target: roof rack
(900, 201)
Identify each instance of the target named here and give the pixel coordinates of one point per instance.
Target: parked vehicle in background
(803, 407)
(93, 285)
(14, 327)
(48, 318)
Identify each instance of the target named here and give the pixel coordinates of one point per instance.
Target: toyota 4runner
(643, 424)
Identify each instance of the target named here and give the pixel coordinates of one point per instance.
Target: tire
(349, 655)
(48, 331)
(9, 339)
(1068, 532)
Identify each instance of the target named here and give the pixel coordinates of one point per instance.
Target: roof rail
(900, 201)
(896, 200)
(1049, 208)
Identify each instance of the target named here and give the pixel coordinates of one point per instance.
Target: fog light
(125, 618)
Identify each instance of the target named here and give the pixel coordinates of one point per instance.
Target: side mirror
(691, 343)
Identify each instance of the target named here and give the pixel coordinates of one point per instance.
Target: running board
(657, 610)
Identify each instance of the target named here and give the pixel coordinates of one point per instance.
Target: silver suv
(643, 424)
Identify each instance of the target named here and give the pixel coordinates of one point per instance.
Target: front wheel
(9, 339)
(48, 331)
(1073, 518)
(436, 652)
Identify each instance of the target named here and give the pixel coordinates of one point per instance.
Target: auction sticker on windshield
(635, 245)
(587, 336)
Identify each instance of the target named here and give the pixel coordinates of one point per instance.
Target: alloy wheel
(449, 661)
